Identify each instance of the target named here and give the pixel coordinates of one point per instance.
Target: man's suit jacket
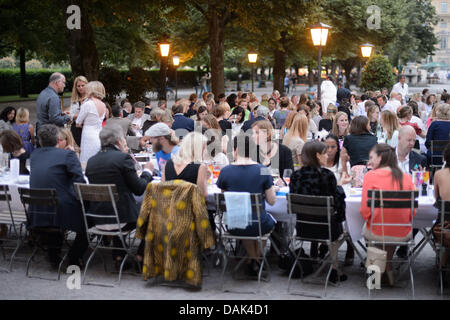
(53, 168)
(181, 122)
(112, 166)
(416, 159)
(248, 124)
(124, 123)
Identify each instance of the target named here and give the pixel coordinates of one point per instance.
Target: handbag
(376, 256)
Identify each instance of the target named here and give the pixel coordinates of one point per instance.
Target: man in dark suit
(342, 93)
(124, 123)
(408, 161)
(179, 120)
(113, 165)
(58, 169)
(259, 113)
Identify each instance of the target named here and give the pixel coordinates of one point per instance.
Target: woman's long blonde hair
(335, 130)
(190, 149)
(75, 95)
(66, 134)
(390, 123)
(299, 128)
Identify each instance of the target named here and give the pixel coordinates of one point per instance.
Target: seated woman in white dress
(92, 113)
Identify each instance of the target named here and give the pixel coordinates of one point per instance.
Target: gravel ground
(16, 285)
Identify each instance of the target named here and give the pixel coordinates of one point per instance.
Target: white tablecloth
(424, 218)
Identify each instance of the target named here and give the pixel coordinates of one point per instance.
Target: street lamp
(176, 63)
(366, 50)
(252, 58)
(164, 48)
(319, 34)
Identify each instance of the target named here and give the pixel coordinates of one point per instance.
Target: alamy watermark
(374, 280)
(74, 280)
(74, 20)
(374, 21)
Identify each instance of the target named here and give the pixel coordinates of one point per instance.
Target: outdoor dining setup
(208, 219)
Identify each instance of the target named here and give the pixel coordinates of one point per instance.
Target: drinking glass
(27, 165)
(287, 176)
(275, 174)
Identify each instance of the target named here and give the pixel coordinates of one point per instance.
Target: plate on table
(355, 192)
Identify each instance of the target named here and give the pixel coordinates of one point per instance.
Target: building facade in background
(442, 31)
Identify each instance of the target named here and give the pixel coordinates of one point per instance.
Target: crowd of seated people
(366, 132)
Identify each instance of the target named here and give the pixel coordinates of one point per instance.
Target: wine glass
(287, 176)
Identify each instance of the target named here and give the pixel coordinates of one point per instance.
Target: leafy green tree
(377, 73)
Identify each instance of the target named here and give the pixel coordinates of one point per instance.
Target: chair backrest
(311, 211)
(256, 202)
(42, 199)
(98, 193)
(5, 196)
(388, 199)
(437, 149)
(142, 158)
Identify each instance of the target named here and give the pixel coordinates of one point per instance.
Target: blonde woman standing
(389, 123)
(92, 113)
(296, 137)
(78, 96)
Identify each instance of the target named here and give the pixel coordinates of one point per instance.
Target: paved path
(16, 285)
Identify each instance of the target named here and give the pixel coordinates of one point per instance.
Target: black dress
(76, 131)
(189, 174)
(326, 124)
(320, 182)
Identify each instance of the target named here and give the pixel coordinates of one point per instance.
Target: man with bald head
(409, 160)
(49, 104)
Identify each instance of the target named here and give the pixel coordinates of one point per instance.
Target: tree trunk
(310, 76)
(80, 43)
(333, 68)
(262, 82)
(216, 26)
(348, 66)
(23, 76)
(279, 70)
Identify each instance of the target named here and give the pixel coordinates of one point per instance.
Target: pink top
(381, 179)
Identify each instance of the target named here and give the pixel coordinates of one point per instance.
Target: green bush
(137, 83)
(112, 81)
(232, 75)
(36, 80)
(377, 74)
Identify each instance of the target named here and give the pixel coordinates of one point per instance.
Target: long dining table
(424, 219)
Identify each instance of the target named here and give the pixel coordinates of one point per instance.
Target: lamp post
(176, 63)
(252, 58)
(164, 48)
(319, 34)
(366, 50)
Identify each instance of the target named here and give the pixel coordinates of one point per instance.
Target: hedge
(37, 80)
